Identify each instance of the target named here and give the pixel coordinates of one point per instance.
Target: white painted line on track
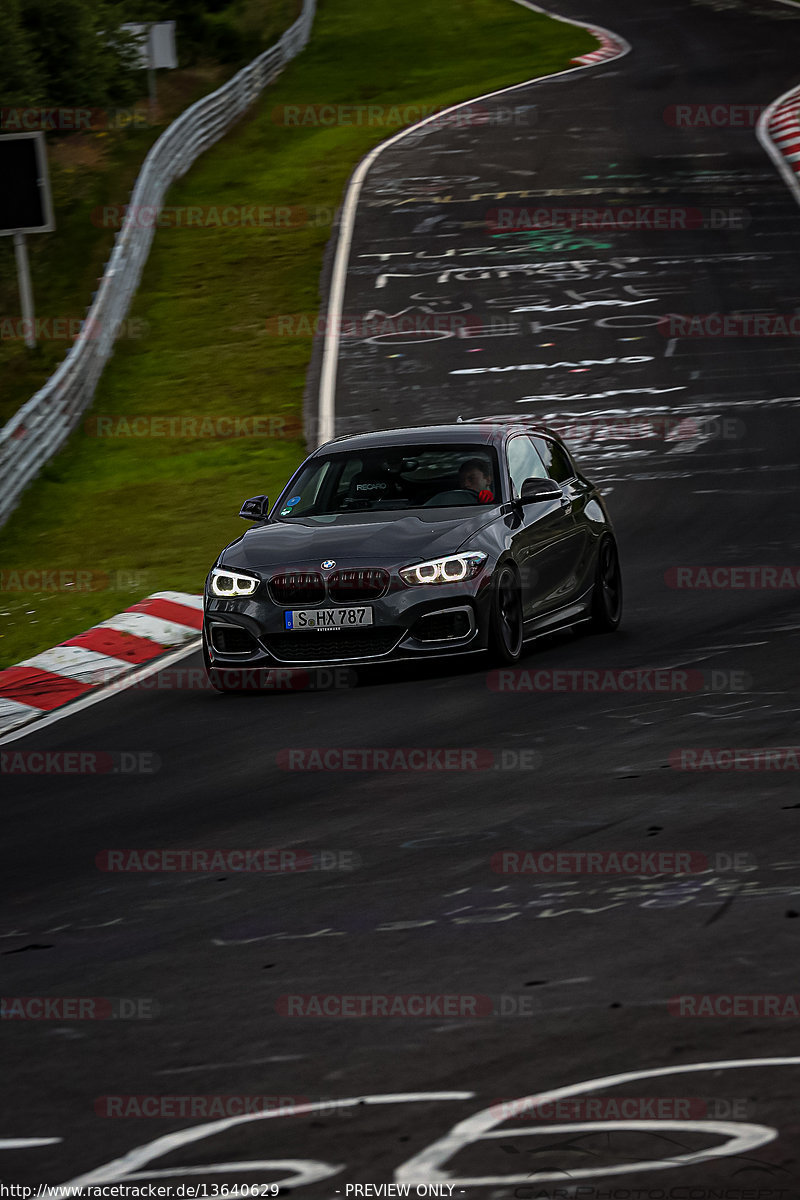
(741, 1138)
(327, 390)
(426, 1165)
(126, 1166)
(26, 1143)
(223, 1066)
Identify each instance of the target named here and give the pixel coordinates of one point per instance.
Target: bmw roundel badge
(327, 564)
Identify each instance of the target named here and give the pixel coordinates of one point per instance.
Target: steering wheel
(454, 496)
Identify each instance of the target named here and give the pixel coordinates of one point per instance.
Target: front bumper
(427, 621)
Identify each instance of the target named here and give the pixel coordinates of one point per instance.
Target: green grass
(162, 508)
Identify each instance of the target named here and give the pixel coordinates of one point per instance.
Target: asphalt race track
(694, 440)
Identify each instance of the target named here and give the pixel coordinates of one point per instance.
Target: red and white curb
(784, 128)
(82, 665)
(779, 133)
(610, 47)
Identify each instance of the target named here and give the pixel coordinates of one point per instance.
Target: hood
(358, 539)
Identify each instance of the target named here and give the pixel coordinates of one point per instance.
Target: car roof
(483, 430)
(515, 423)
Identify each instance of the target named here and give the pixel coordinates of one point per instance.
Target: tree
(85, 61)
(20, 71)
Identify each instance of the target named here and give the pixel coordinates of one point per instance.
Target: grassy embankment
(87, 171)
(153, 513)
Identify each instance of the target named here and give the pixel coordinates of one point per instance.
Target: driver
(474, 476)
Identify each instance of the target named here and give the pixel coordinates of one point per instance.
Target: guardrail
(40, 428)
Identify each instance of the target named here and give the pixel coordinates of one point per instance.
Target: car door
(541, 538)
(575, 554)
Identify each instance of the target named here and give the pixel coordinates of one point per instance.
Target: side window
(315, 489)
(555, 459)
(308, 492)
(523, 463)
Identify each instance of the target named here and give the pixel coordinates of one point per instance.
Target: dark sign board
(25, 204)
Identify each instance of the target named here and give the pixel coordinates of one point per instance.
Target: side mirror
(255, 509)
(540, 490)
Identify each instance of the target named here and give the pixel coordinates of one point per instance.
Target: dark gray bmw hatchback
(408, 543)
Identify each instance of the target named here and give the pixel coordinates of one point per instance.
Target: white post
(151, 73)
(25, 289)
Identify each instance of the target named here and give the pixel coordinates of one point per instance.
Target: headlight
(451, 569)
(232, 583)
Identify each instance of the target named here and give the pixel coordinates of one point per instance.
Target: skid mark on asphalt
(223, 1066)
(524, 898)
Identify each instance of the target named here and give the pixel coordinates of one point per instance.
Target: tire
(505, 619)
(607, 592)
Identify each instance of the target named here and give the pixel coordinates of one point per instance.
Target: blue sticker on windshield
(294, 500)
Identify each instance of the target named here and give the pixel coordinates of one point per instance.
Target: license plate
(328, 618)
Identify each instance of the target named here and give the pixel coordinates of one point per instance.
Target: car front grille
(297, 587)
(358, 585)
(352, 586)
(311, 647)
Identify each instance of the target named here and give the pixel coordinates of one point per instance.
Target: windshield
(394, 477)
